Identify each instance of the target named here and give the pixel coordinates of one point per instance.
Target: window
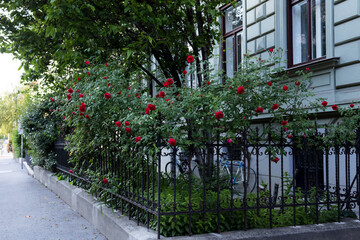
(306, 33)
(232, 24)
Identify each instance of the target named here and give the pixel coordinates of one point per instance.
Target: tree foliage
(53, 38)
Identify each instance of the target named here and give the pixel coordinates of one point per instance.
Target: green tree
(53, 38)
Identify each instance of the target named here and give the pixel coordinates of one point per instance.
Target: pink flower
(70, 171)
(289, 136)
(324, 103)
(240, 90)
(138, 139)
(105, 77)
(107, 95)
(285, 88)
(172, 142)
(229, 140)
(190, 59)
(219, 115)
(118, 124)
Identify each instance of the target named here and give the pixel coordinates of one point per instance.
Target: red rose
(118, 124)
(151, 107)
(334, 107)
(87, 62)
(307, 69)
(269, 83)
(297, 83)
(208, 83)
(184, 72)
(82, 108)
(162, 94)
(127, 123)
(81, 95)
(68, 97)
(271, 50)
(275, 106)
(106, 64)
(81, 114)
(105, 77)
(285, 88)
(107, 95)
(70, 171)
(259, 110)
(87, 116)
(352, 105)
(78, 79)
(105, 181)
(172, 142)
(324, 103)
(289, 136)
(219, 115)
(53, 100)
(78, 91)
(138, 139)
(128, 130)
(275, 160)
(284, 123)
(147, 110)
(190, 59)
(157, 95)
(119, 93)
(70, 90)
(240, 90)
(89, 74)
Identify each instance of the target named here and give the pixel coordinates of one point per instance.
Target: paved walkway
(28, 210)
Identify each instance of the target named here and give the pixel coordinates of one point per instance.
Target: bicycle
(181, 165)
(238, 178)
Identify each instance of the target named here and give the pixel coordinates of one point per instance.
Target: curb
(116, 226)
(28, 168)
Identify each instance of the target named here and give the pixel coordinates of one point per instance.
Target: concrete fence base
(119, 227)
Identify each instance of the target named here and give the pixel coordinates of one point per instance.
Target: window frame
(290, 4)
(233, 33)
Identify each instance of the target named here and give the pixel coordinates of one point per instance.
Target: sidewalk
(28, 210)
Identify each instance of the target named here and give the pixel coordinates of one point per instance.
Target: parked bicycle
(182, 165)
(235, 171)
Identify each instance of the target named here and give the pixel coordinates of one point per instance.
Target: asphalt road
(28, 210)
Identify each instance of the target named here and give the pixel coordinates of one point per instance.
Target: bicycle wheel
(238, 180)
(169, 169)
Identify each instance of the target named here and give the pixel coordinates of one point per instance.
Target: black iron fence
(251, 181)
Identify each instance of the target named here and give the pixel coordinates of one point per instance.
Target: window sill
(316, 65)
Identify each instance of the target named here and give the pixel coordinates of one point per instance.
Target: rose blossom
(105, 181)
(151, 107)
(87, 116)
(324, 103)
(219, 115)
(138, 139)
(229, 140)
(297, 83)
(128, 130)
(269, 83)
(275, 160)
(275, 106)
(352, 105)
(259, 110)
(334, 107)
(117, 123)
(162, 94)
(284, 123)
(70, 90)
(107, 95)
(190, 59)
(240, 90)
(127, 123)
(68, 96)
(172, 142)
(285, 88)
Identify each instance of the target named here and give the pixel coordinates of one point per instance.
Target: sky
(9, 74)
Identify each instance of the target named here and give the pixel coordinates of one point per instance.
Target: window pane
(318, 28)
(233, 17)
(300, 33)
(238, 50)
(229, 56)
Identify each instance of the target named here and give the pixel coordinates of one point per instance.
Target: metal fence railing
(254, 181)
